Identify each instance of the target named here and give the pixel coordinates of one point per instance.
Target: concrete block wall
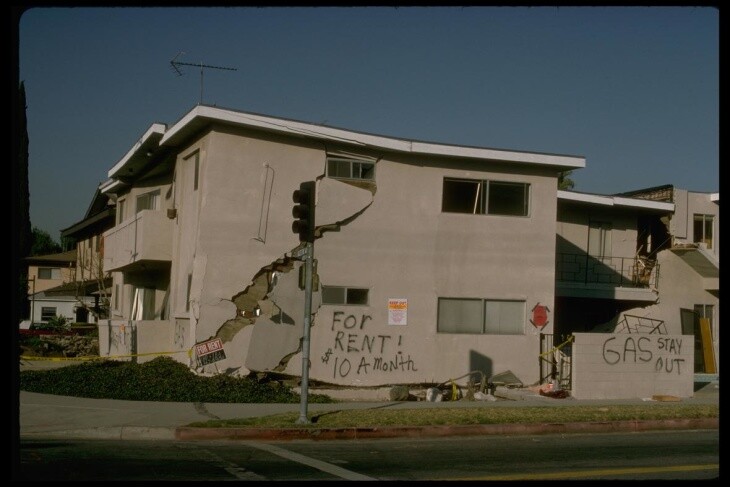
(630, 366)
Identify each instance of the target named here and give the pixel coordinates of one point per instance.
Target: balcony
(147, 238)
(582, 275)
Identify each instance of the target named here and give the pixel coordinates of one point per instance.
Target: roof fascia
(156, 130)
(174, 135)
(596, 199)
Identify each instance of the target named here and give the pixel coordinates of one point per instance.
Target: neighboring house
(645, 261)
(433, 260)
(81, 291)
(46, 272)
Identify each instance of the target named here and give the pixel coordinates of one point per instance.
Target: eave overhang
(616, 201)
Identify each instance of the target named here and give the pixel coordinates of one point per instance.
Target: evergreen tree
(43, 243)
(21, 205)
(564, 181)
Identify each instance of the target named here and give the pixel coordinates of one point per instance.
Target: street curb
(186, 433)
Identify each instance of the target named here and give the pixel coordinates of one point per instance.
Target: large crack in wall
(262, 294)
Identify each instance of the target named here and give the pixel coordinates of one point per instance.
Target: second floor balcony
(580, 274)
(145, 238)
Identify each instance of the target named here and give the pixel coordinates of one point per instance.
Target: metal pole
(32, 301)
(201, 83)
(308, 260)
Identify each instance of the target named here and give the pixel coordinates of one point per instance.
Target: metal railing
(640, 324)
(636, 272)
(556, 360)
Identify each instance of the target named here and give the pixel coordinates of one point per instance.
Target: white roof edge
(714, 196)
(109, 185)
(642, 203)
(155, 128)
(615, 201)
(307, 129)
(585, 197)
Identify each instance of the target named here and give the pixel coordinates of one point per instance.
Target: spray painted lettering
(377, 352)
(643, 349)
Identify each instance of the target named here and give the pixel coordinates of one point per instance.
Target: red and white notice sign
(397, 311)
(210, 351)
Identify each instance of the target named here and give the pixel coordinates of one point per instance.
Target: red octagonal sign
(539, 316)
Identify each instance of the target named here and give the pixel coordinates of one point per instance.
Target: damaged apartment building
(645, 261)
(432, 260)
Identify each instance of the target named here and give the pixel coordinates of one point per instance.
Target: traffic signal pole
(304, 225)
(308, 260)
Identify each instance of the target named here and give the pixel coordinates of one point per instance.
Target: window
(121, 206)
(703, 230)
(48, 313)
(49, 273)
(599, 239)
(481, 316)
(342, 168)
(187, 296)
(481, 197)
(344, 295)
(195, 157)
(143, 304)
(116, 297)
(148, 201)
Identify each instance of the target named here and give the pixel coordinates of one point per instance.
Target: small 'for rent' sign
(210, 351)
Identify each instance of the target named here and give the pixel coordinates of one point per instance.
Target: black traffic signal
(303, 211)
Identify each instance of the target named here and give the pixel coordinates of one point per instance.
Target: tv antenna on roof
(175, 64)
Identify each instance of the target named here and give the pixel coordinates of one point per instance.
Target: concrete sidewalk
(50, 416)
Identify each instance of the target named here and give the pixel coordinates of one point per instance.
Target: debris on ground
(665, 398)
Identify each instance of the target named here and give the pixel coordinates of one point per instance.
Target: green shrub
(161, 379)
(56, 324)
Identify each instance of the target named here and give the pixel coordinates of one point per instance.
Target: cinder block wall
(630, 366)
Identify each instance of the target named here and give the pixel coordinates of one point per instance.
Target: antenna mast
(176, 67)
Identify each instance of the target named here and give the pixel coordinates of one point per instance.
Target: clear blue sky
(633, 90)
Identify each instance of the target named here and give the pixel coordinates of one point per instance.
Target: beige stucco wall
(629, 366)
(573, 223)
(401, 246)
(36, 285)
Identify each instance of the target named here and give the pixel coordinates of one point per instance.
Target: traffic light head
(303, 211)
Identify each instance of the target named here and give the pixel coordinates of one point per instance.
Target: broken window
(481, 316)
(481, 197)
(344, 168)
(344, 295)
(703, 230)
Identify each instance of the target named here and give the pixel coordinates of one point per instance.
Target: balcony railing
(635, 272)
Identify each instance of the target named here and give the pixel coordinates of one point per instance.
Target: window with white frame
(148, 201)
(485, 197)
(347, 168)
(345, 295)
(49, 273)
(703, 230)
(481, 316)
(48, 313)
